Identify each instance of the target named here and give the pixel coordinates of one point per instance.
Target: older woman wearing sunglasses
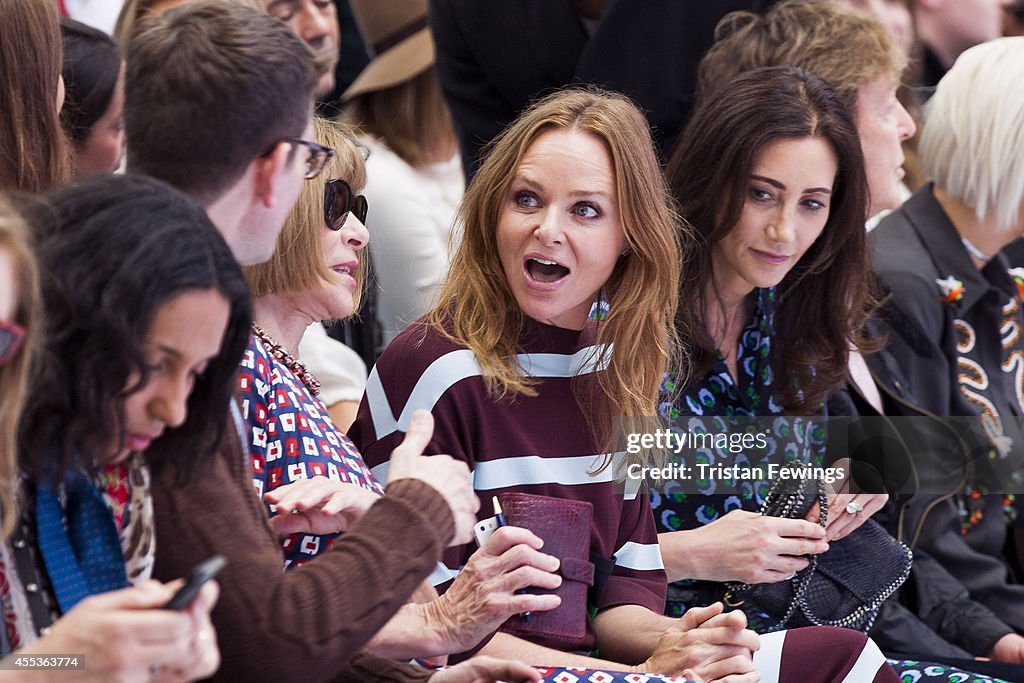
(310, 475)
(311, 277)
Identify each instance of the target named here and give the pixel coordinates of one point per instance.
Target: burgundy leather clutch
(564, 526)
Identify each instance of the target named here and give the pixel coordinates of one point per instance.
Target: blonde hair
(842, 46)
(299, 263)
(411, 118)
(14, 374)
(972, 143)
(477, 309)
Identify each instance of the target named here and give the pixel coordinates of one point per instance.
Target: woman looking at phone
(137, 351)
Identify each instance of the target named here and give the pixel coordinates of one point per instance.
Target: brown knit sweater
(307, 624)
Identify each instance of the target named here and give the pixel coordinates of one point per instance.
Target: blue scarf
(79, 541)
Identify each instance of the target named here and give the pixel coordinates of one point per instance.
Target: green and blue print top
(718, 403)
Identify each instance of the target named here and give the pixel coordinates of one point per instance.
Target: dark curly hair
(825, 299)
(113, 250)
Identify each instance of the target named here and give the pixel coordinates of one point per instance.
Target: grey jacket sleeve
(941, 616)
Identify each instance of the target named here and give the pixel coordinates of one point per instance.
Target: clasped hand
(706, 644)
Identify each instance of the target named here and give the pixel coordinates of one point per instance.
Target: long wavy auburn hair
(476, 308)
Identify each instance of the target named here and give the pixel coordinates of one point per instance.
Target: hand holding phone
(203, 572)
(500, 521)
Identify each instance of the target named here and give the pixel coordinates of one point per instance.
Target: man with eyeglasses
(219, 98)
(218, 103)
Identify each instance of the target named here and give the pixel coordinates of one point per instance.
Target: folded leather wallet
(564, 526)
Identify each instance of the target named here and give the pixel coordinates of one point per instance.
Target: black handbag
(844, 586)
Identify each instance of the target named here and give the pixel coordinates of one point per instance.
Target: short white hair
(972, 143)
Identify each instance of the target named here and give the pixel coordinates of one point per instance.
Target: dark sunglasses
(11, 337)
(339, 201)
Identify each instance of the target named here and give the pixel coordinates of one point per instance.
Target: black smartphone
(203, 572)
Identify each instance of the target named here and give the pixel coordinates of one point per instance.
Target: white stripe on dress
(458, 365)
(527, 470)
(533, 470)
(768, 658)
(866, 668)
(441, 574)
(380, 472)
(639, 556)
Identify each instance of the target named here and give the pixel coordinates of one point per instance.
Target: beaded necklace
(290, 361)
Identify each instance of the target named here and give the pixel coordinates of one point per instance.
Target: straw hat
(397, 35)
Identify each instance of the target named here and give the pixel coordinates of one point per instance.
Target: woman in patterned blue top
(777, 279)
(311, 476)
(775, 309)
(771, 175)
(301, 461)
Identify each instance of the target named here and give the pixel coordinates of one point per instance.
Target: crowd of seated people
(641, 248)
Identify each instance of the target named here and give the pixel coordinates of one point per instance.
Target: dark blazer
(915, 250)
(494, 58)
(932, 614)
